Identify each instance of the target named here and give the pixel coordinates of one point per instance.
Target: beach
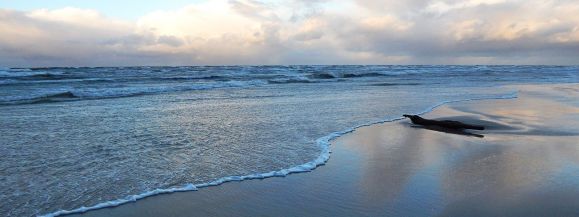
(81, 139)
(525, 165)
(289, 108)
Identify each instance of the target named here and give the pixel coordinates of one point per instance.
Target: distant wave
(8, 81)
(394, 84)
(102, 93)
(210, 77)
(37, 85)
(43, 77)
(335, 75)
(53, 96)
(61, 80)
(20, 73)
(324, 75)
(360, 75)
(323, 157)
(291, 80)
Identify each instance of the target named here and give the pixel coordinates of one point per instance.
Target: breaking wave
(20, 73)
(69, 94)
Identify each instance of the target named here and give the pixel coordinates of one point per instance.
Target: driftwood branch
(457, 125)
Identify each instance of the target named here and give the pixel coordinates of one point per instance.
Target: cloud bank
(221, 32)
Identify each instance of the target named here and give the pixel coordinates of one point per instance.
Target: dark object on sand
(443, 123)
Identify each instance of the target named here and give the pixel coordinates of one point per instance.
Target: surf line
(322, 142)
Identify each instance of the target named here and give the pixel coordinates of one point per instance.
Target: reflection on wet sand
(529, 142)
(451, 131)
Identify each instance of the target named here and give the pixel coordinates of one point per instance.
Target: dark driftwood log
(443, 123)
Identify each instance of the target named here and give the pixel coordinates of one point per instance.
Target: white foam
(292, 79)
(323, 142)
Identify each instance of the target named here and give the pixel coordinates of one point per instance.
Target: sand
(527, 164)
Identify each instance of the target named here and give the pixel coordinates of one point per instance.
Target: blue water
(74, 137)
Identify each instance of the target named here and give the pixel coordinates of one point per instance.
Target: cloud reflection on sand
(511, 168)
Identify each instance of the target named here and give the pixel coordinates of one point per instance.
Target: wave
(51, 81)
(52, 96)
(71, 94)
(8, 81)
(15, 69)
(291, 80)
(335, 75)
(22, 73)
(57, 97)
(187, 78)
(361, 75)
(394, 84)
(323, 157)
(324, 75)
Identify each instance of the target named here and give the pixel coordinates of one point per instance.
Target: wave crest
(102, 93)
(22, 73)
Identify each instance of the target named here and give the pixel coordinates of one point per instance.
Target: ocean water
(94, 137)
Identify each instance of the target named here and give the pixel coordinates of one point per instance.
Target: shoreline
(321, 160)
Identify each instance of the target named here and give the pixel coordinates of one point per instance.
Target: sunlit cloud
(298, 32)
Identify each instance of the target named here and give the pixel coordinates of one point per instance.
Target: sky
(287, 32)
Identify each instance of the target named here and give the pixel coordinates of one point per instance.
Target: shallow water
(75, 137)
(398, 169)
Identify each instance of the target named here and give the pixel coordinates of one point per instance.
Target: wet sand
(527, 164)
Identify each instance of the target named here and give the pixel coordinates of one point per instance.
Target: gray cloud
(299, 32)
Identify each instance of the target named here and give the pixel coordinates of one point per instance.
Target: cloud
(299, 32)
(442, 7)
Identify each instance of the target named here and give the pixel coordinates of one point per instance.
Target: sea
(82, 138)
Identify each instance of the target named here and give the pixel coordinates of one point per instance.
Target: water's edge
(323, 143)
